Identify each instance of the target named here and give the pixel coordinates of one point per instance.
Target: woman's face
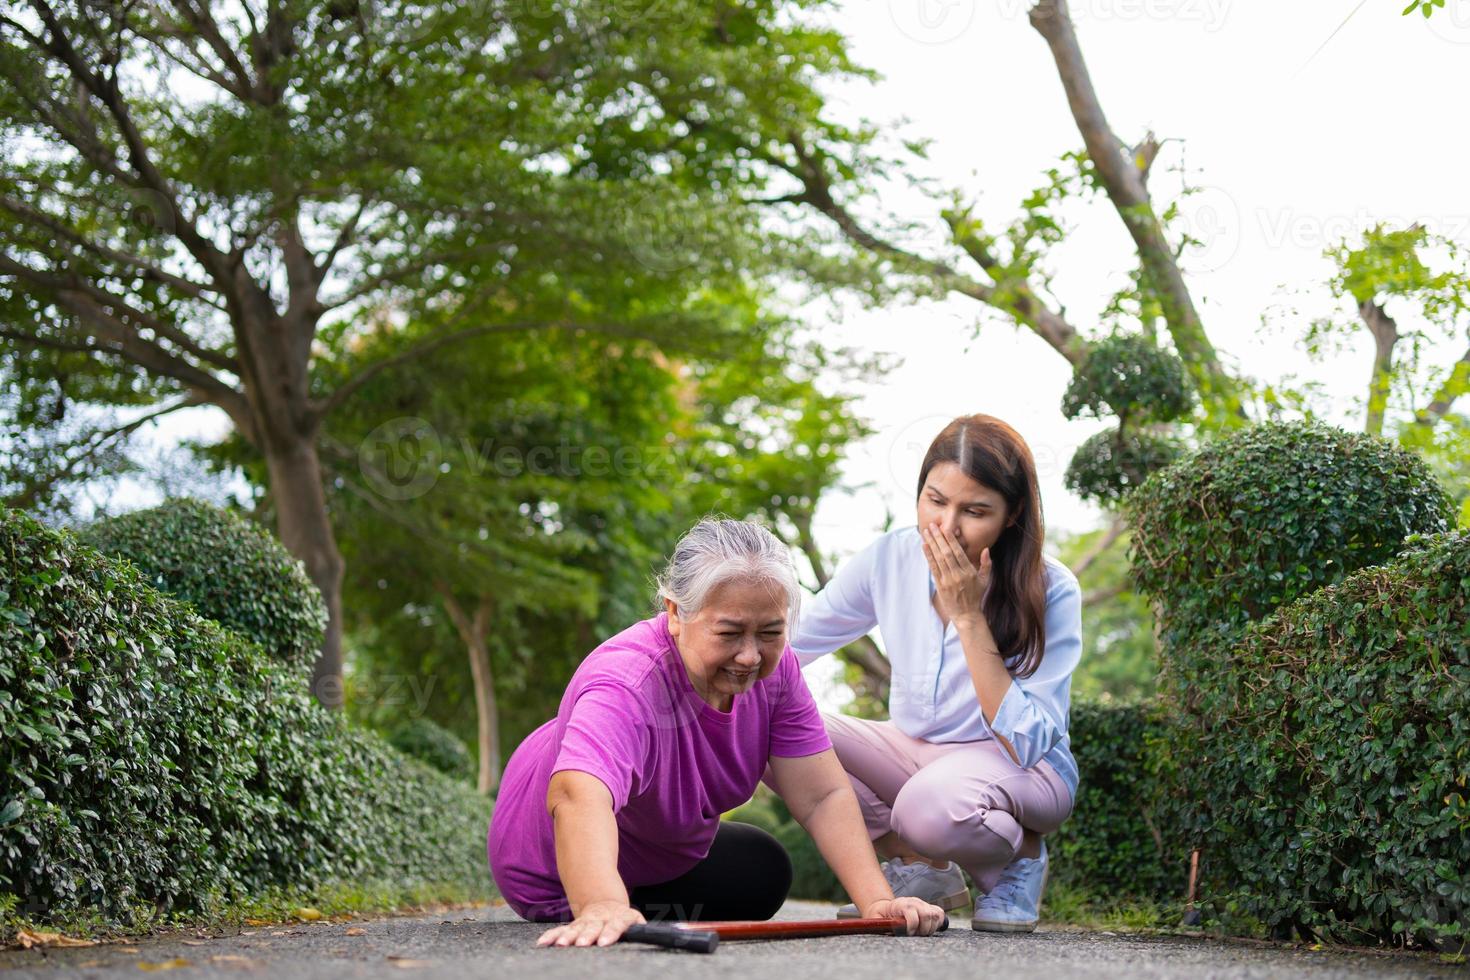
(969, 512)
(734, 641)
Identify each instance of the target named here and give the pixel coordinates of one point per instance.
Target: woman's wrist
(975, 628)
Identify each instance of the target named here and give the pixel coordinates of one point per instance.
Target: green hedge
(1264, 516)
(1338, 792)
(1119, 843)
(434, 745)
(1222, 541)
(231, 570)
(152, 761)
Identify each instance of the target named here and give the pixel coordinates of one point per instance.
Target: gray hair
(719, 550)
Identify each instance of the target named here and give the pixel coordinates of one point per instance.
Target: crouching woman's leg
(746, 875)
(975, 806)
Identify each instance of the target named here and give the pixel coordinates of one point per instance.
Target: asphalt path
(491, 942)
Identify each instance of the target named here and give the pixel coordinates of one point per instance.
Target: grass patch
(1072, 906)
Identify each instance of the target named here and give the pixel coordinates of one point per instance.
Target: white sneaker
(944, 887)
(1014, 904)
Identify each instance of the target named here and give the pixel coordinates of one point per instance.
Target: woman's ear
(673, 610)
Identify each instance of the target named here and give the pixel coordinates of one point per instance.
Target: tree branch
(73, 285)
(1454, 386)
(1026, 307)
(1123, 180)
(149, 271)
(106, 92)
(1114, 532)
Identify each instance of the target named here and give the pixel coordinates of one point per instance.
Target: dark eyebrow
(741, 625)
(973, 503)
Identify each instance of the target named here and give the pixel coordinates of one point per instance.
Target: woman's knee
(765, 867)
(940, 825)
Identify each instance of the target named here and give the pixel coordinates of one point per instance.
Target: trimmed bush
(152, 761)
(1264, 516)
(1118, 844)
(434, 745)
(1114, 463)
(1131, 376)
(1221, 541)
(232, 571)
(1339, 792)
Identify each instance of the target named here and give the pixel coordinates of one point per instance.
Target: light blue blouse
(931, 696)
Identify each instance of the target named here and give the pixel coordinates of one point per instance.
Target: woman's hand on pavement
(958, 584)
(599, 924)
(923, 919)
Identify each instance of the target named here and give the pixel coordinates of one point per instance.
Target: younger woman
(983, 632)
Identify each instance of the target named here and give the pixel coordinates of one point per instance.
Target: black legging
(746, 875)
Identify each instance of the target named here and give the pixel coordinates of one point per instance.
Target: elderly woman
(609, 814)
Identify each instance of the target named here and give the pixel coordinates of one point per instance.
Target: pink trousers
(966, 802)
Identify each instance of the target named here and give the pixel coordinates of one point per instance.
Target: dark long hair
(993, 454)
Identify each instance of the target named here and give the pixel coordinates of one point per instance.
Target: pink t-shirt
(672, 762)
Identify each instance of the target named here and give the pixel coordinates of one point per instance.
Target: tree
(208, 201)
(502, 507)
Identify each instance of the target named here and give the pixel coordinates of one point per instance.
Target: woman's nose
(749, 655)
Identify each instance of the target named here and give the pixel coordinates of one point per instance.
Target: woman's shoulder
(897, 545)
(1060, 580)
(628, 658)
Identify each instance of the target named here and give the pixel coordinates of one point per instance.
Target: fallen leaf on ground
(308, 914)
(129, 949)
(173, 964)
(194, 942)
(354, 931)
(408, 962)
(28, 940)
(257, 922)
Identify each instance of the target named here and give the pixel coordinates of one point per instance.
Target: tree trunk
(1123, 176)
(1385, 335)
(473, 631)
(305, 528)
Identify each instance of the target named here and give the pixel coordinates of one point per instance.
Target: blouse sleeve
(1033, 715)
(841, 612)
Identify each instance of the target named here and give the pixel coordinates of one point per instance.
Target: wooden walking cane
(704, 937)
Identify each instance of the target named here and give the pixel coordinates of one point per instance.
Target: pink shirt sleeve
(607, 736)
(796, 724)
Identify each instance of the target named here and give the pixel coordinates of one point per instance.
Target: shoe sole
(949, 903)
(983, 926)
